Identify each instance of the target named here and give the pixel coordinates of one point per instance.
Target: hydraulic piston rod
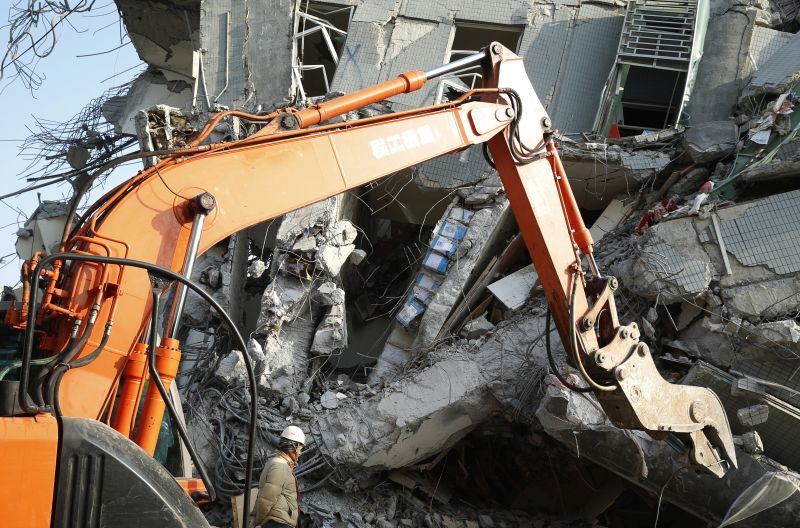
(404, 83)
(201, 205)
(456, 65)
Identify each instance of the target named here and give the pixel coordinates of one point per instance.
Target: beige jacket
(277, 493)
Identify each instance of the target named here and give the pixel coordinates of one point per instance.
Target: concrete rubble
(402, 325)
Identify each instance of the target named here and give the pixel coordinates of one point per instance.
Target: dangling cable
(522, 153)
(552, 361)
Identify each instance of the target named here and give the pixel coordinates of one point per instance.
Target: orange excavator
(76, 444)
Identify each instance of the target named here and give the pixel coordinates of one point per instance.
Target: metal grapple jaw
(644, 400)
(637, 397)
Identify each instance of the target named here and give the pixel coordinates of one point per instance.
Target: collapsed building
(401, 324)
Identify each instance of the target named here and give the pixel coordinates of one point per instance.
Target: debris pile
(402, 326)
(408, 340)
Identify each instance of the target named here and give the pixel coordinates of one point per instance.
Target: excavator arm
(91, 325)
(615, 364)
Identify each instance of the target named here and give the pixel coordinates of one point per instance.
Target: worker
(277, 505)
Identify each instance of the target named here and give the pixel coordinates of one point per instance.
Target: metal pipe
(403, 83)
(227, 53)
(460, 64)
(593, 266)
(188, 266)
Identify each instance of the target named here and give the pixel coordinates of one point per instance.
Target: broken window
(320, 33)
(655, 65)
(469, 38)
(650, 100)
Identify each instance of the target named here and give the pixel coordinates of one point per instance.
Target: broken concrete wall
(779, 72)
(247, 53)
(485, 229)
(302, 309)
(598, 172)
(764, 43)
(163, 31)
(463, 241)
(680, 258)
(719, 76)
(569, 50)
(206, 55)
(165, 34)
(384, 41)
(362, 56)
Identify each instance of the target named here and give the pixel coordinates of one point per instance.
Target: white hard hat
(295, 434)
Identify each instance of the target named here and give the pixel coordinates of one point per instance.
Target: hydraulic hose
(81, 362)
(573, 349)
(573, 342)
(63, 364)
(156, 377)
(171, 275)
(552, 361)
(41, 375)
(88, 358)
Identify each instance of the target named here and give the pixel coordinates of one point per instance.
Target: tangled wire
(32, 36)
(217, 414)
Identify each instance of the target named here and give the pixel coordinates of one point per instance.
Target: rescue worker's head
(292, 441)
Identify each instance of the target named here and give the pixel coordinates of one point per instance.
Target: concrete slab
(764, 233)
(513, 290)
(569, 53)
(779, 72)
(610, 218)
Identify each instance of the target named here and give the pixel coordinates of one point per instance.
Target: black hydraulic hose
(45, 370)
(169, 274)
(63, 362)
(156, 377)
(488, 155)
(552, 361)
(520, 152)
(81, 362)
(88, 358)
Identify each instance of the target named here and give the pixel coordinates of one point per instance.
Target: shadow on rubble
(501, 475)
